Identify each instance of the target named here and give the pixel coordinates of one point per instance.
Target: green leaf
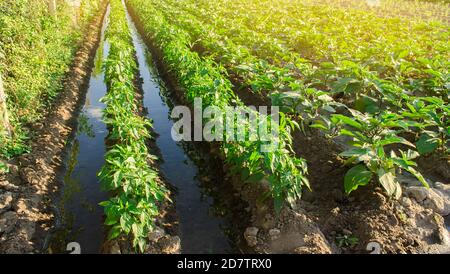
(110, 220)
(419, 176)
(125, 223)
(347, 132)
(367, 104)
(3, 168)
(389, 182)
(142, 243)
(425, 144)
(136, 229)
(114, 233)
(355, 152)
(327, 65)
(398, 191)
(401, 163)
(329, 109)
(278, 205)
(319, 126)
(347, 120)
(104, 203)
(357, 176)
(388, 140)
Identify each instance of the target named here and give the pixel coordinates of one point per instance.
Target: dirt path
(25, 205)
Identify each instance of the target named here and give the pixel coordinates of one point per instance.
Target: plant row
(413, 55)
(380, 119)
(203, 78)
(430, 10)
(36, 51)
(128, 173)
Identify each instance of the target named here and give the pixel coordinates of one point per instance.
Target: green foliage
(304, 66)
(14, 146)
(128, 171)
(432, 117)
(36, 51)
(3, 168)
(369, 139)
(355, 177)
(202, 77)
(84, 126)
(346, 241)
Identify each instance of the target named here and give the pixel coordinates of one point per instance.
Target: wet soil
(80, 218)
(32, 180)
(326, 220)
(200, 219)
(337, 222)
(215, 190)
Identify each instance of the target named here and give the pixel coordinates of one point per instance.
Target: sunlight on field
(373, 3)
(199, 126)
(438, 10)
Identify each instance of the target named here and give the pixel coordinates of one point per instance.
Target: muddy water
(202, 226)
(81, 218)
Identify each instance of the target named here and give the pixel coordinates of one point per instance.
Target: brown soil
(436, 166)
(326, 220)
(366, 215)
(31, 182)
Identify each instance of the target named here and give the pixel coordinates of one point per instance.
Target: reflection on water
(202, 226)
(84, 127)
(95, 113)
(80, 215)
(98, 61)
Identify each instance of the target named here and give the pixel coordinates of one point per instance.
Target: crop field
(252, 126)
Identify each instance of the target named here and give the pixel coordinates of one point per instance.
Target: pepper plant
(129, 172)
(371, 149)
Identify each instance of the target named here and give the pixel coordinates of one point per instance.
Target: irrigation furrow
(202, 228)
(80, 217)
